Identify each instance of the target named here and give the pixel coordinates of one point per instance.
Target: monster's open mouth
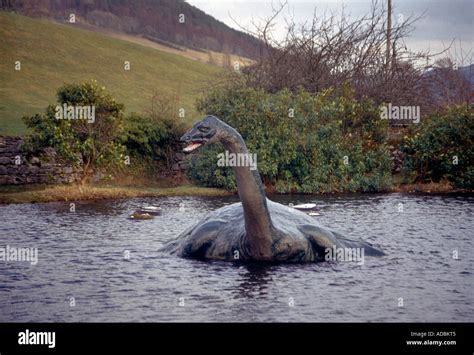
(192, 146)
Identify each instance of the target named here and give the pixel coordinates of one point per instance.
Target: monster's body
(256, 229)
(296, 237)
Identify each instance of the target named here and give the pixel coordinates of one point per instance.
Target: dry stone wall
(16, 168)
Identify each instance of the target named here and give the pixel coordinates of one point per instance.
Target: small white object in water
(151, 208)
(305, 206)
(314, 214)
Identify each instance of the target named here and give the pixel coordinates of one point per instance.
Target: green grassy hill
(51, 54)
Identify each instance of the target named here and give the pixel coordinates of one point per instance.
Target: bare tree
(332, 51)
(449, 85)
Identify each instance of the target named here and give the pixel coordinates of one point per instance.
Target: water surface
(82, 258)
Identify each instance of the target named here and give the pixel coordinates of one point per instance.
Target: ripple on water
(81, 255)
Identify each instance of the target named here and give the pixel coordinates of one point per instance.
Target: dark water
(81, 255)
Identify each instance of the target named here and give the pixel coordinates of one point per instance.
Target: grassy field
(203, 56)
(51, 54)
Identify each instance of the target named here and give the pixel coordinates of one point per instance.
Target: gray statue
(256, 229)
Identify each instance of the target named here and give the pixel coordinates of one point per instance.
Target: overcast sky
(443, 21)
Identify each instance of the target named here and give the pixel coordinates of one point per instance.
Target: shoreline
(64, 193)
(67, 193)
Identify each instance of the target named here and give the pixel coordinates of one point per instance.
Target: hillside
(208, 56)
(166, 21)
(51, 54)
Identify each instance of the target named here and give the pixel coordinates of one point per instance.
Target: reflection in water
(254, 280)
(81, 254)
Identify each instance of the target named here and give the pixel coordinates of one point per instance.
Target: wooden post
(389, 33)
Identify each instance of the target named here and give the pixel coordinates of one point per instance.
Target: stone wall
(16, 168)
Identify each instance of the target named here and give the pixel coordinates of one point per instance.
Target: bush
(304, 143)
(89, 144)
(151, 138)
(441, 148)
(202, 169)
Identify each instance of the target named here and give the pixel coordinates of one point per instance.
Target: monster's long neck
(251, 192)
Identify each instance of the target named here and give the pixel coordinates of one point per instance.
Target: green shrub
(89, 144)
(441, 148)
(302, 141)
(202, 169)
(151, 138)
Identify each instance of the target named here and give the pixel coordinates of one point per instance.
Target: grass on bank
(431, 187)
(52, 193)
(51, 54)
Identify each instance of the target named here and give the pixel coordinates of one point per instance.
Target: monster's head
(207, 131)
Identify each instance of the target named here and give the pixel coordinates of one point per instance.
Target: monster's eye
(204, 129)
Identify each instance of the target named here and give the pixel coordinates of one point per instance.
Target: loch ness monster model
(255, 229)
